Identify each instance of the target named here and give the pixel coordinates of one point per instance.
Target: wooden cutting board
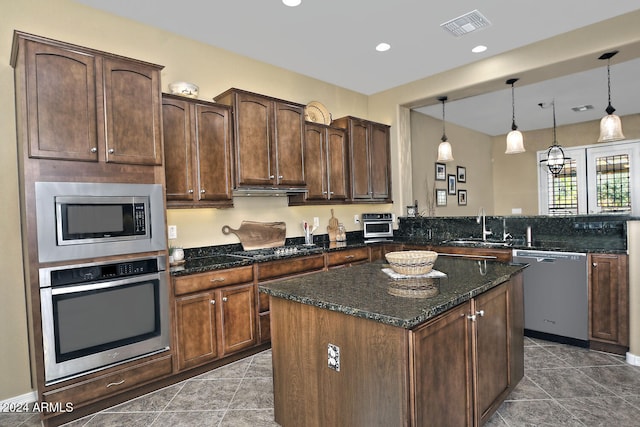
(259, 235)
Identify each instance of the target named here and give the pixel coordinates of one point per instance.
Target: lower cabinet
(609, 302)
(480, 342)
(347, 257)
(215, 315)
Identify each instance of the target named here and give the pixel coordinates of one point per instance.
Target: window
(598, 179)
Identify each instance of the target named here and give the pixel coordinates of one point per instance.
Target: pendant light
(610, 125)
(444, 149)
(515, 141)
(555, 154)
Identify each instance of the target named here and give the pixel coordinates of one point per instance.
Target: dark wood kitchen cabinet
(609, 302)
(86, 105)
(481, 344)
(325, 165)
(215, 315)
(197, 148)
(369, 152)
(268, 140)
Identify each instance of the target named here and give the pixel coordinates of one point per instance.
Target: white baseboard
(633, 359)
(18, 400)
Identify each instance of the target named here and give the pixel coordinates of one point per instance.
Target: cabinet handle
(324, 192)
(190, 191)
(480, 313)
(213, 302)
(331, 192)
(111, 151)
(217, 279)
(202, 191)
(595, 264)
(280, 177)
(271, 176)
(116, 383)
(94, 150)
(224, 299)
(472, 317)
(349, 256)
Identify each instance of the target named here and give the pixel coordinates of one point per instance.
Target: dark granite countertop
(366, 291)
(208, 263)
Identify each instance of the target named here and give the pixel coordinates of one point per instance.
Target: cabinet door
(196, 329)
(492, 343)
(379, 172)
(609, 298)
(337, 163)
(359, 150)
(288, 154)
(213, 139)
(178, 167)
(61, 103)
(315, 162)
(443, 397)
(253, 140)
(238, 305)
(133, 118)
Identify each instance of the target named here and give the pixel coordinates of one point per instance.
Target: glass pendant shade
(515, 142)
(444, 152)
(610, 125)
(610, 129)
(555, 159)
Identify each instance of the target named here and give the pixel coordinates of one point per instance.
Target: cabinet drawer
(112, 383)
(287, 267)
(348, 256)
(199, 282)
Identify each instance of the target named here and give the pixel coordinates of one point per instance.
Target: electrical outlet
(316, 221)
(356, 219)
(173, 232)
(333, 357)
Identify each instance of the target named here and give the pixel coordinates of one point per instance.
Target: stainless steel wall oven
(99, 314)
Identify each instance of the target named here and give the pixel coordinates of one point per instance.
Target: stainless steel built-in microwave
(88, 220)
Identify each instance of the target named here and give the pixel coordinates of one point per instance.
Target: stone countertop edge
(342, 290)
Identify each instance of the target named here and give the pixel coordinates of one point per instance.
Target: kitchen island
(355, 347)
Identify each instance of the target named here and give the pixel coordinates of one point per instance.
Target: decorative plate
(317, 113)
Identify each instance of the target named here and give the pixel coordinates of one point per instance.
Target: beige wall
(215, 70)
(471, 150)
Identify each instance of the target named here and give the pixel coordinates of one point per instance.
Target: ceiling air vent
(466, 23)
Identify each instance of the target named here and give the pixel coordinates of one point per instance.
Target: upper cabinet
(269, 136)
(370, 170)
(325, 165)
(81, 104)
(197, 147)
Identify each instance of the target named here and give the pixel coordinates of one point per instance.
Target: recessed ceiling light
(292, 3)
(383, 47)
(479, 49)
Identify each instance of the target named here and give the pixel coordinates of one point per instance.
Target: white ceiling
(334, 41)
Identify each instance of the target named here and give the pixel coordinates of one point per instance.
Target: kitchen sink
(478, 243)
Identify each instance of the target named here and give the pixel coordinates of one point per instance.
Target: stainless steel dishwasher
(556, 305)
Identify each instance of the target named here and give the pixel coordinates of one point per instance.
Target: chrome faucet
(481, 220)
(505, 235)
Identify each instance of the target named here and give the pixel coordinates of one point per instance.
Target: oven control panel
(95, 272)
(377, 216)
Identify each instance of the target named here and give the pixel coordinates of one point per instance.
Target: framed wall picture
(441, 172)
(462, 197)
(461, 174)
(452, 184)
(441, 197)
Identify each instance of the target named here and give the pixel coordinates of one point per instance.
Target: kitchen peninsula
(355, 347)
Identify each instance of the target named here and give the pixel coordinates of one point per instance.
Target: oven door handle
(105, 284)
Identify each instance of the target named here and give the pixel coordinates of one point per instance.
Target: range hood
(267, 191)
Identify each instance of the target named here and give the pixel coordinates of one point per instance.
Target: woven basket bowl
(411, 262)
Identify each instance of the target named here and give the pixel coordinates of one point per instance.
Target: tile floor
(563, 385)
